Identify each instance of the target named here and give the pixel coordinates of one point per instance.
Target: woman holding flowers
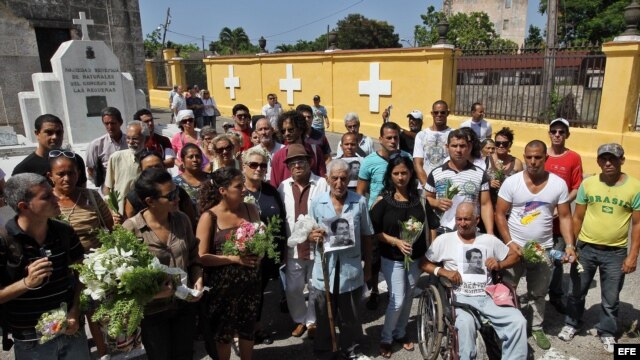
(84, 210)
(400, 207)
(168, 327)
(262, 194)
(234, 298)
(501, 163)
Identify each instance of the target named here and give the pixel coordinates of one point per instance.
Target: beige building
(509, 17)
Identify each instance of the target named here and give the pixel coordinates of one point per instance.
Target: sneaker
(541, 339)
(567, 333)
(608, 342)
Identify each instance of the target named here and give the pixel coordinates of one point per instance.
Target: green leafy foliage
(358, 32)
(262, 243)
(466, 30)
(588, 20)
(233, 42)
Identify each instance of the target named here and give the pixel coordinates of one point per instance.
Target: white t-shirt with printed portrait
(468, 259)
(532, 214)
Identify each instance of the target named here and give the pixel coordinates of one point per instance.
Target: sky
(285, 21)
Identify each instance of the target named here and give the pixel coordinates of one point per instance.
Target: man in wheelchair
(450, 250)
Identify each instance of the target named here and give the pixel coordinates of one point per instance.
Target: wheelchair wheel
(430, 323)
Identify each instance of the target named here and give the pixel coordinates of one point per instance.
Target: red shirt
(246, 138)
(569, 167)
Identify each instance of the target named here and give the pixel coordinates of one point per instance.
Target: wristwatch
(569, 246)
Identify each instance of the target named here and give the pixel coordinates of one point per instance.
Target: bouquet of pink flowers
(52, 324)
(254, 239)
(409, 232)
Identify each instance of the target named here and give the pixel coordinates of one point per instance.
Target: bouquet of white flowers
(409, 232)
(121, 277)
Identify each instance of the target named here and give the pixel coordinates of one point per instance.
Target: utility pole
(203, 52)
(326, 47)
(550, 56)
(167, 21)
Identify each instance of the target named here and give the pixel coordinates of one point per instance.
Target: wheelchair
(436, 322)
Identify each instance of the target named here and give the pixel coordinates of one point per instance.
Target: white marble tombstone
(86, 78)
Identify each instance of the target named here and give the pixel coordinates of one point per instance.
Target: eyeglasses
(57, 153)
(242, 116)
(445, 112)
(299, 162)
(557, 132)
(184, 121)
(288, 130)
(503, 143)
(228, 148)
(255, 165)
(171, 195)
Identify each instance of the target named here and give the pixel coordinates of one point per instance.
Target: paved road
(585, 345)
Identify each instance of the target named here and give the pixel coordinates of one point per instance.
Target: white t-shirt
(432, 147)
(532, 214)
(468, 259)
(482, 128)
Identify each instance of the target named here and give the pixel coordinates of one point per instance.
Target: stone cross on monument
(83, 22)
(290, 84)
(374, 87)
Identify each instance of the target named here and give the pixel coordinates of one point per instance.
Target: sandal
(406, 344)
(385, 350)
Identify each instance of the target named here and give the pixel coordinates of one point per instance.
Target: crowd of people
(479, 206)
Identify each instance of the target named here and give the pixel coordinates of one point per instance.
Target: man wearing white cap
(408, 137)
(567, 164)
(477, 123)
(606, 205)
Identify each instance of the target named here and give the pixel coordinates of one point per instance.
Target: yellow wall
(419, 77)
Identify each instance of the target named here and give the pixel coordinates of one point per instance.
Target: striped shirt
(17, 251)
(471, 181)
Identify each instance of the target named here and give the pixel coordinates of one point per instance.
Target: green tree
(183, 50)
(588, 20)
(534, 37)
(300, 46)
(472, 30)
(152, 44)
(233, 42)
(358, 32)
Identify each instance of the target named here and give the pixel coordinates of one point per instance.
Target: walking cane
(327, 293)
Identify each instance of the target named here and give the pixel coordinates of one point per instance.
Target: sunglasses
(397, 155)
(222, 150)
(255, 165)
(171, 195)
(288, 130)
(445, 112)
(184, 121)
(557, 132)
(57, 153)
(503, 143)
(242, 116)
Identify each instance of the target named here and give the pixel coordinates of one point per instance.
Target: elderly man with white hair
(122, 169)
(365, 144)
(343, 266)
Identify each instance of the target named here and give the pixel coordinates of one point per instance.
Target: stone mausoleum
(31, 32)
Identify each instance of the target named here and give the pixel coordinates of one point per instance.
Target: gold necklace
(67, 217)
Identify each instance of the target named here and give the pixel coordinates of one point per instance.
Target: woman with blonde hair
(224, 153)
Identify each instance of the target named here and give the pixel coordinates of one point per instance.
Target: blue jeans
(538, 278)
(611, 280)
(70, 347)
(508, 323)
(400, 283)
(555, 288)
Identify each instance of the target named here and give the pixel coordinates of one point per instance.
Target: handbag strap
(95, 206)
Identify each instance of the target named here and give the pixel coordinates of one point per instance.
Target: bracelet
(509, 243)
(24, 280)
(435, 271)
(569, 246)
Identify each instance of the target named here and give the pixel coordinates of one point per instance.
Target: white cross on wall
(83, 22)
(290, 84)
(374, 87)
(232, 83)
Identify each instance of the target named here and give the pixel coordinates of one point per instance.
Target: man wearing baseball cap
(567, 164)
(606, 205)
(408, 137)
